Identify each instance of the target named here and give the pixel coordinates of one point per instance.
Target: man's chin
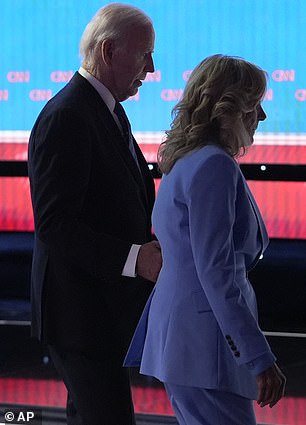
(133, 91)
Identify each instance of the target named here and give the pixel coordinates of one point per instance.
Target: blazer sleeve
(212, 197)
(60, 159)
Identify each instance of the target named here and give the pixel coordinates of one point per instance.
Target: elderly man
(94, 258)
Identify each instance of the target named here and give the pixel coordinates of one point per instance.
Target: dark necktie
(124, 122)
(126, 129)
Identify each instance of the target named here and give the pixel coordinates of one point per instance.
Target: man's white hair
(110, 22)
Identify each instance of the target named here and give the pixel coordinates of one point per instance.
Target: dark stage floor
(27, 378)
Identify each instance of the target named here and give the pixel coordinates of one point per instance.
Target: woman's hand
(271, 386)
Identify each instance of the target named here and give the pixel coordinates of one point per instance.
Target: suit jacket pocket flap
(200, 301)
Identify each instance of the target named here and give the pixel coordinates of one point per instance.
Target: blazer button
(228, 337)
(234, 348)
(237, 354)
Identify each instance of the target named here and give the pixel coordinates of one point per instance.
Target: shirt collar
(103, 91)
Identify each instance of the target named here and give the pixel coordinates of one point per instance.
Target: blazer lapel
(120, 144)
(104, 116)
(261, 225)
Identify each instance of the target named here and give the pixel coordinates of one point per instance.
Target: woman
(199, 332)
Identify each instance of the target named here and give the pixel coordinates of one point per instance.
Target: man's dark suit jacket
(90, 204)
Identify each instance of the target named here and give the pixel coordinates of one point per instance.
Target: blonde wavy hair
(219, 94)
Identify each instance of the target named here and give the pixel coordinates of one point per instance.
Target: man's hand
(149, 261)
(271, 386)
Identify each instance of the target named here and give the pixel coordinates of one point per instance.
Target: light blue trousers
(200, 406)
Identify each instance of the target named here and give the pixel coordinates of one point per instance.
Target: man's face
(131, 61)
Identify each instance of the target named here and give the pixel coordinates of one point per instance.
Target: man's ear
(107, 48)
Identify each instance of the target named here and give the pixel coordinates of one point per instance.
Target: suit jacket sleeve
(212, 198)
(60, 160)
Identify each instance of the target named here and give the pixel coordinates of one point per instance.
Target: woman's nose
(261, 115)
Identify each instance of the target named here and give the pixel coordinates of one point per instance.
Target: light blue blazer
(199, 327)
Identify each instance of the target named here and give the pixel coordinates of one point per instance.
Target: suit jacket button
(228, 337)
(234, 348)
(237, 354)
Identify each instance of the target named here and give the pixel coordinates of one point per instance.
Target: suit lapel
(108, 124)
(261, 225)
(120, 144)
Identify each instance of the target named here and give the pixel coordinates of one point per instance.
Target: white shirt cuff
(129, 269)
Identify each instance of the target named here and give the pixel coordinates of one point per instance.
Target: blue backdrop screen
(39, 53)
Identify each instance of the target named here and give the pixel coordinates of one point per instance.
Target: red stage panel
(263, 154)
(282, 203)
(15, 204)
(283, 206)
